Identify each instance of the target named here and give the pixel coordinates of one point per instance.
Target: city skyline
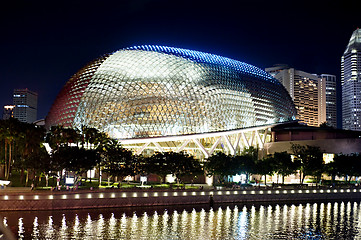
(43, 46)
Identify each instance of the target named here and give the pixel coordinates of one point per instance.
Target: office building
(25, 105)
(328, 86)
(305, 91)
(8, 112)
(351, 83)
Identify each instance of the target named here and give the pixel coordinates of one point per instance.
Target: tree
(219, 164)
(158, 163)
(10, 134)
(33, 148)
(311, 161)
(119, 162)
(284, 165)
(89, 136)
(182, 164)
(247, 161)
(75, 159)
(346, 166)
(265, 166)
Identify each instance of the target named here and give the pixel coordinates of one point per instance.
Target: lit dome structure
(156, 91)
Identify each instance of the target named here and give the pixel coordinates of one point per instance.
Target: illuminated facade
(8, 112)
(351, 83)
(329, 91)
(25, 105)
(306, 92)
(164, 98)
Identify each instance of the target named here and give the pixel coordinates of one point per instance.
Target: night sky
(44, 43)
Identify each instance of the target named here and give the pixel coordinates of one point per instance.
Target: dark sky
(43, 43)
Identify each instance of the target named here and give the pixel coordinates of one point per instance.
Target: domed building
(155, 98)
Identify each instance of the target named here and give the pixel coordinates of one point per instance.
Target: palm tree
(10, 133)
(89, 136)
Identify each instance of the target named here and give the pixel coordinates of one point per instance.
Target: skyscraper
(351, 83)
(328, 86)
(305, 91)
(26, 105)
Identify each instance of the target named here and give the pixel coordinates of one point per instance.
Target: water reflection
(338, 220)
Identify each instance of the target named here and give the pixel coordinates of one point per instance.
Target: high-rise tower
(329, 87)
(25, 105)
(351, 83)
(305, 91)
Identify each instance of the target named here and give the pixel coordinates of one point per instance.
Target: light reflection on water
(337, 220)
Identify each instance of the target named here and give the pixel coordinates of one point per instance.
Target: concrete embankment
(39, 200)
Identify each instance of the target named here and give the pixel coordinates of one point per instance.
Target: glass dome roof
(152, 91)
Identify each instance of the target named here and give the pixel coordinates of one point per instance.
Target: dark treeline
(22, 150)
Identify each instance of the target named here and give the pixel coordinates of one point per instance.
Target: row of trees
(80, 150)
(305, 160)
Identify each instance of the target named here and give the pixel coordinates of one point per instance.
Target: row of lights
(175, 194)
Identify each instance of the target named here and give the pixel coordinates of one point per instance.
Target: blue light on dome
(202, 57)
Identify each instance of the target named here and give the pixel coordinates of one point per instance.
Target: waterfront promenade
(13, 199)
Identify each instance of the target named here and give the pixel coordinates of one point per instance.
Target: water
(332, 220)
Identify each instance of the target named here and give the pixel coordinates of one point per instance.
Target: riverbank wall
(40, 200)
